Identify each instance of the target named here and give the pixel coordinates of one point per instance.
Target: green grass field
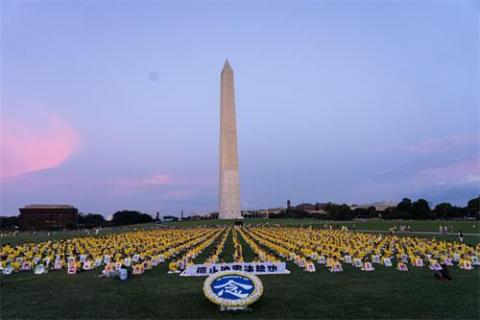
(381, 294)
(468, 227)
(28, 236)
(417, 225)
(384, 293)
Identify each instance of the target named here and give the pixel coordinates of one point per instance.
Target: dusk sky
(109, 106)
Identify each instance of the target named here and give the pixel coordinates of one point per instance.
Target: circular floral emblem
(233, 290)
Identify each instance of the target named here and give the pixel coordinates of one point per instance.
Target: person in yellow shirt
(172, 266)
(16, 266)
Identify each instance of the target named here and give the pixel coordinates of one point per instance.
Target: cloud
(465, 171)
(457, 194)
(152, 181)
(28, 147)
(434, 161)
(182, 186)
(164, 189)
(456, 181)
(442, 144)
(179, 194)
(472, 178)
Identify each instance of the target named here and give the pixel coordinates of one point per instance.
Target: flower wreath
(254, 296)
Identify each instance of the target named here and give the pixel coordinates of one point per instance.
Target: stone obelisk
(229, 204)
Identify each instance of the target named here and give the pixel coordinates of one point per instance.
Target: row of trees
(120, 218)
(92, 220)
(8, 222)
(406, 209)
(420, 209)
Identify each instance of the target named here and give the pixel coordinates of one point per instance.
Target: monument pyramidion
(229, 194)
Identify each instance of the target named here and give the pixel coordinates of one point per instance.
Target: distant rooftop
(378, 205)
(48, 206)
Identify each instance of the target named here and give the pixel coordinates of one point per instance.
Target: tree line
(92, 220)
(405, 209)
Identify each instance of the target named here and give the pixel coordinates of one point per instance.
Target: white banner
(258, 268)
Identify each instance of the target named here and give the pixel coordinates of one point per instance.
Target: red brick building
(35, 217)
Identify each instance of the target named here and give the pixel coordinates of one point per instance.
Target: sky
(115, 105)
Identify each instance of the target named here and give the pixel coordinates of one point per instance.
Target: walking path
(419, 232)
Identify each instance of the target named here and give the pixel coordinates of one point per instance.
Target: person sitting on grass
(172, 266)
(330, 261)
(337, 266)
(442, 274)
(401, 266)
(465, 262)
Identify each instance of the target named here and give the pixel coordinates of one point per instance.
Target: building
(379, 206)
(35, 217)
(261, 213)
(318, 208)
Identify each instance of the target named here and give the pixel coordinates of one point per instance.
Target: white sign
(456, 257)
(197, 270)
(357, 263)
(310, 267)
(58, 264)
(368, 267)
(87, 265)
(98, 262)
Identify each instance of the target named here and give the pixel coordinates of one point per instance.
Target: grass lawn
(29, 236)
(417, 225)
(384, 293)
(472, 227)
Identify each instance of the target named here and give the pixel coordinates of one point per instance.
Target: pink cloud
(465, 171)
(179, 194)
(28, 148)
(155, 180)
(166, 186)
(442, 144)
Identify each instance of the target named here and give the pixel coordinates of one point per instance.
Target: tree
(372, 212)
(405, 205)
(92, 220)
(8, 222)
(389, 213)
(473, 208)
(338, 212)
(345, 213)
(443, 210)
(172, 218)
(421, 209)
(130, 217)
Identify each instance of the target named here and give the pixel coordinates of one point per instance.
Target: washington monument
(229, 202)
